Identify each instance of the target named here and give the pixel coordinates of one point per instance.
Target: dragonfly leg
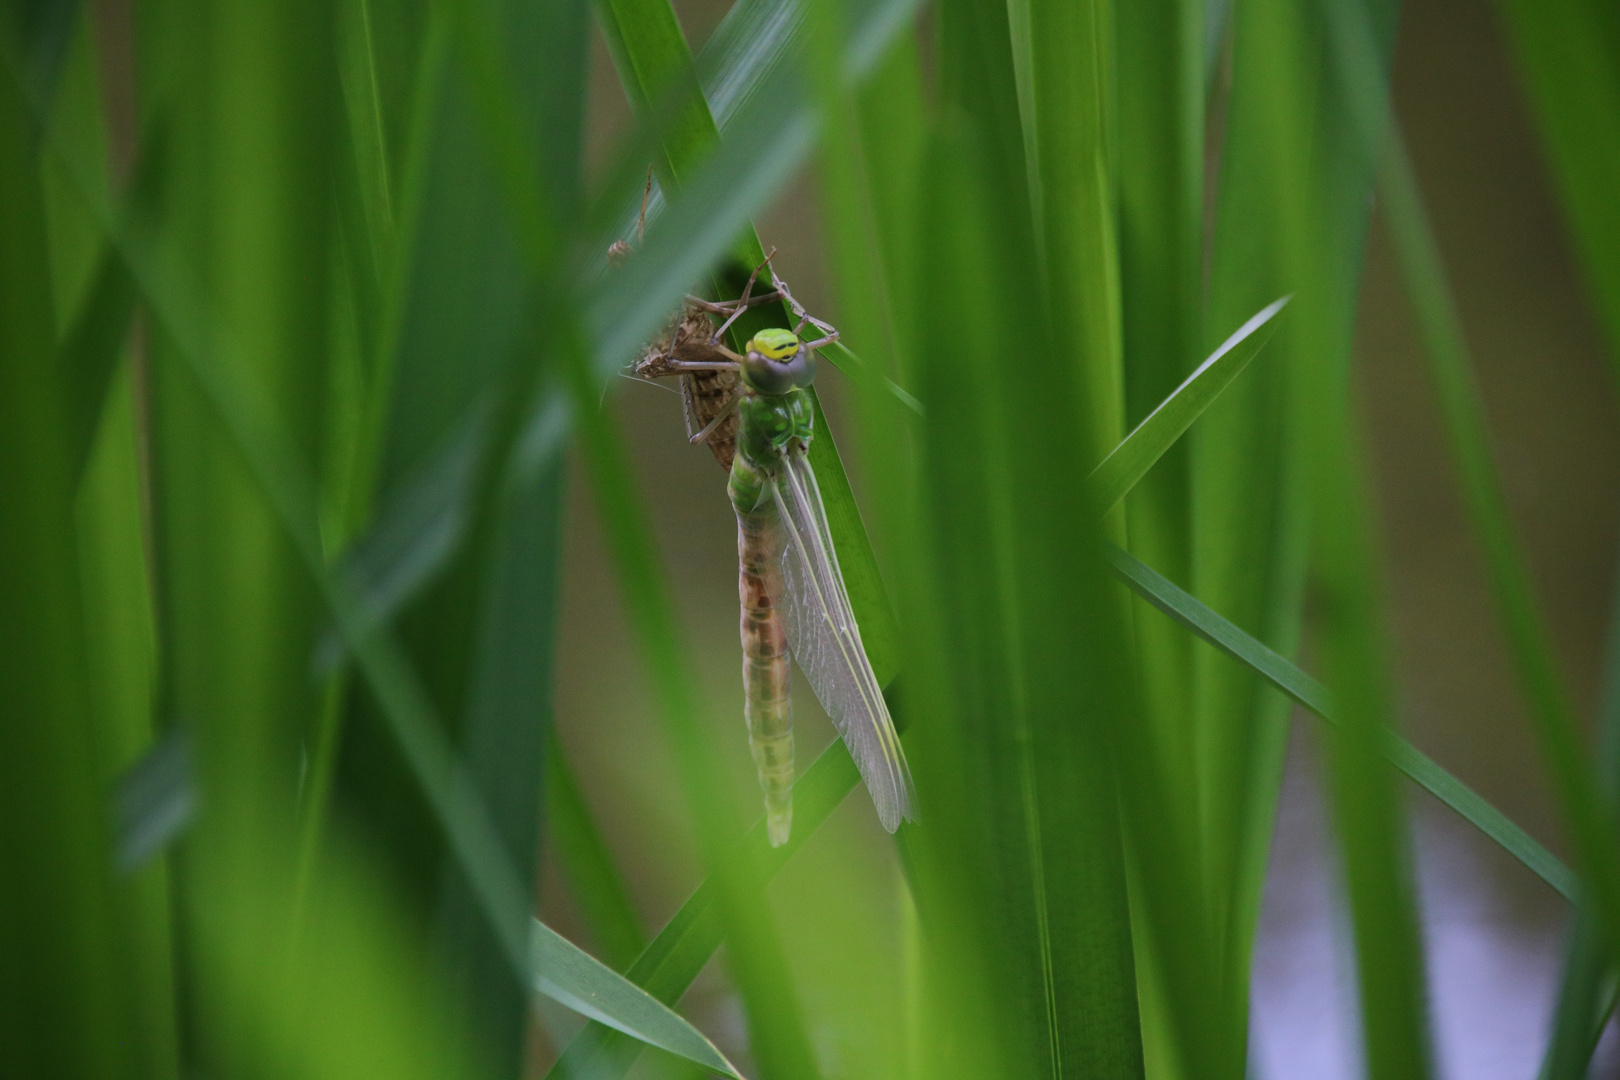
(743, 301)
(804, 317)
(730, 307)
(641, 221)
(709, 429)
(673, 366)
(619, 252)
(831, 337)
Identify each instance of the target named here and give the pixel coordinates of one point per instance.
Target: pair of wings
(826, 641)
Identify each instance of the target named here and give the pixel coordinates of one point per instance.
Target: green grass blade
(1589, 822)
(194, 335)
(1160, 158)
(93, 346)
(567, 974)
(755, 38)
(655, 68)
(95, 302)
(370, 177)
(1586, 1002)
(1369, 814)
(673, 959)
(417, 105)
(505, 718)
(1291, 213)
(1071, 88)
(1020, 869)
(1582, 807)
(1159, 164)
(865, 282)
(1368, 810)
(505, 582)
(1120, 471)
(121, 645)
(1282, 674)
(60, 1015)
(1587, 993)
(1567, 56)
(587, 864)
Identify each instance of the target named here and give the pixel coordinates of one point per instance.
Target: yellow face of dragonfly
(777, 362)
(780, 345)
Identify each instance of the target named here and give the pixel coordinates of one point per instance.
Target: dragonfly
(755, 413)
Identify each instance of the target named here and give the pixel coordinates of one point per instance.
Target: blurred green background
(356, 600)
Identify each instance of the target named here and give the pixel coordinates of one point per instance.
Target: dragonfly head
(778, 362)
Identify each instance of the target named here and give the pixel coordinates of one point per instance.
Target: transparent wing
(826, 642)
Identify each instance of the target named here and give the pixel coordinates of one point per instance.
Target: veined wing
(827, 643)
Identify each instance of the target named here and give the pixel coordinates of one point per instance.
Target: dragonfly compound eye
(777, 363)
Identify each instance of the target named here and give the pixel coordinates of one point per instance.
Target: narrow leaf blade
(1136, 453)
(570, 976)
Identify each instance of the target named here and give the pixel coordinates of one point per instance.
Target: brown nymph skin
(704, 394)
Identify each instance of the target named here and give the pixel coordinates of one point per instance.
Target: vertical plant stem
(60, 1012)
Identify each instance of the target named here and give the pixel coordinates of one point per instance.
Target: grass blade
(1582, 807)
(274, 467)
(1587, 992)
(1160, 76)
(1029, 955)
(569, 975)
(92, 348)
(1159, 164)
(1566, 53)
(1067, 127)
(59, 1013)
(458, 806)
(673, 959)
(587, 864)
(655, 68)
(511, 582)
(1291, 216)
(1282, 674)
(1129, 461)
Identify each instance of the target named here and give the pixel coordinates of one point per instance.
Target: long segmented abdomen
(767, 674)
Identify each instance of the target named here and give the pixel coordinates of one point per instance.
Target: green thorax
(775, 413)
(770, 425)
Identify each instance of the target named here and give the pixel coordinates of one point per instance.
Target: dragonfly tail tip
(778, 825)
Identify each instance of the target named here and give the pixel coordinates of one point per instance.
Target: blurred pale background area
(1494, 932)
